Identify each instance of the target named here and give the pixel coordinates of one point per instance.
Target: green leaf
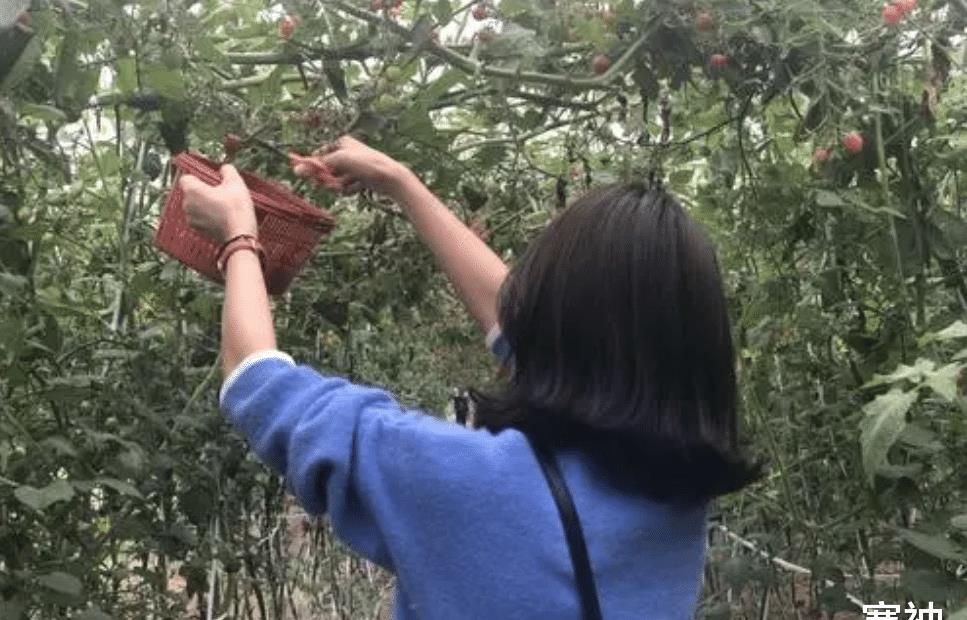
(895, 472)
(127, 77)
(947, 233)
(122, 487)
(442, 10)
(937, 546)
(882, 426)
(718, 611)
(59, 445)
(490, 155)
(132, 461)
(197, 503)
(22, 66)
(11, 284)
(515, 41)
(41, 499)
(13, 609)
(415, 123)
(943, 381)
(959, 522)
(42, 112)
(903, 372)
(511, 8)
(182, 533)
(439, 87)
(917, 437)
(737, 571)
(929, 585)
(165, 82)
(592, 31)
(62, 583)
(956, 330)
(825, 198)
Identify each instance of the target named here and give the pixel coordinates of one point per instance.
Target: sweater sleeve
(349, 450)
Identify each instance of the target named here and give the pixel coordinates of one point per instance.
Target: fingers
(347, 141)
(338, 162)
(230, 174)
(307, 166)
(334, 182)
(325, 149)
(324, 171)
(195, 189)
(342, 142)
(353, 187)
(318, 170)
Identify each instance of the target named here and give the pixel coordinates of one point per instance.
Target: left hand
(222, 211)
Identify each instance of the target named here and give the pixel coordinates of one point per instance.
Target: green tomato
(393, 74)
(386, 102)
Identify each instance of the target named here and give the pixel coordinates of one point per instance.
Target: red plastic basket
(289, 227)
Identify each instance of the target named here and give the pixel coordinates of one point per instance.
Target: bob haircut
(622, 347)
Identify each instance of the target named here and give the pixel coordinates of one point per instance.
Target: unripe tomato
(386, 102)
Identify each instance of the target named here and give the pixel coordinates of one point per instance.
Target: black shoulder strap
(572, 531)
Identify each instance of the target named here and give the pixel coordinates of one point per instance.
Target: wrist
(243, 244)
(236, 230)
(400, 180)
(243, 255)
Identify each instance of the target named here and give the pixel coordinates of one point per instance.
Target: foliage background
(124, 495)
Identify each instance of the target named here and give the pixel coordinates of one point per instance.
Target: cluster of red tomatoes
(852, 142)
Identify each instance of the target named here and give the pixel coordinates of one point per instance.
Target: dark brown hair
(622, 347)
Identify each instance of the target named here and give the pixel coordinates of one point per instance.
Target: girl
(584, 488)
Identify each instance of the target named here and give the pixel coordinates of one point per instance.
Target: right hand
(221, 211)
(355, 166)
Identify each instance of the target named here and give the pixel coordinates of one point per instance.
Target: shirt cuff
(248, 362)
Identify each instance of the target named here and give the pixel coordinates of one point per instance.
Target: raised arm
(224, 212)
(474, 269)
(386, 477)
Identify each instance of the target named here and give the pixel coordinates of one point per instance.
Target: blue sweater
(463, 518)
